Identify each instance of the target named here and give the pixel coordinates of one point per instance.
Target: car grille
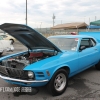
(13, 73)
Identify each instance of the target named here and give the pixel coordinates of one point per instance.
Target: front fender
(54, 69)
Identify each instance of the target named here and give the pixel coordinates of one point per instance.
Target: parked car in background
(5, 45)
(73, 33)
(8, 37)
(49, 61)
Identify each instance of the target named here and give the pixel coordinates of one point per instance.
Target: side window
(4, 36)
(93, 42)
(87, 43)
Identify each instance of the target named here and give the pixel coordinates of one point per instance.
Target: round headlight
(30, 74)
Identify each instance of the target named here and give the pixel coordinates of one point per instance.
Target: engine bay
(24, 59)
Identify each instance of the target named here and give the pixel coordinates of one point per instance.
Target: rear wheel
(58, 83)
(1, 53)
(12, 41)
(97, 66)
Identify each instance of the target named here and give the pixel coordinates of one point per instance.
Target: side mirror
(82, 48)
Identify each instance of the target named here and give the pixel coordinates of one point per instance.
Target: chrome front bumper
(23, 81)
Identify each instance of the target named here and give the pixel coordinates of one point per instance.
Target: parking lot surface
(83, 86)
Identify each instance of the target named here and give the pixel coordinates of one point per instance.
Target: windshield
(65, 43)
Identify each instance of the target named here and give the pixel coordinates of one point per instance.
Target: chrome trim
(24, 81)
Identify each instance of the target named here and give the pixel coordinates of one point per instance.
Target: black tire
(97, 66)
(1, 53)
(12, 41)
(53, 84)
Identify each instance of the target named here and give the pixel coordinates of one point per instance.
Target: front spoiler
(23, 81)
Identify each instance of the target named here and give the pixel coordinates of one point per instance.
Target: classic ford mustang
(47, 61)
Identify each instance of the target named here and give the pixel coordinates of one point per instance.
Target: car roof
(70, 36)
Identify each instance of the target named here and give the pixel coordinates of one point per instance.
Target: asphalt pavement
(83, 86)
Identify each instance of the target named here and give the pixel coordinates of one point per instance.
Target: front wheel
(58, 83)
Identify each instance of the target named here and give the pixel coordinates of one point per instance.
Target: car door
(89, 55)
(95, 52)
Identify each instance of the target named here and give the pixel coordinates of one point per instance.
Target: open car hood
(28, 36)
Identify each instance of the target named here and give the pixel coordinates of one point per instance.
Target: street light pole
(95, 18)
(84, 18)
(26, 12)
(40, 26)
(53, 19)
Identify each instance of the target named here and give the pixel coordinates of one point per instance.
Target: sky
(40, 12)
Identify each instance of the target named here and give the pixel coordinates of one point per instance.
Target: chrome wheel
(60, 82)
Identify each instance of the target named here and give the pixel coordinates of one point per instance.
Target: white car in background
(8, 37)
(5, 45)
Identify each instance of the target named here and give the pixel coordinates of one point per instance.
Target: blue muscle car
(48, 61)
